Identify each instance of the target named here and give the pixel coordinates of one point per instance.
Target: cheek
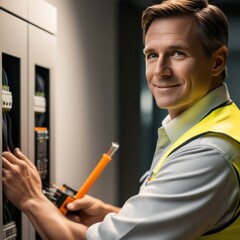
(189, 74)
(149, 70)
(148, 75)
(204, 70)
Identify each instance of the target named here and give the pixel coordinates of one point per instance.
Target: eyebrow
(172, 47)
(146, 50)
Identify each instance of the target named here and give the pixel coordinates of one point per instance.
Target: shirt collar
(179, 125)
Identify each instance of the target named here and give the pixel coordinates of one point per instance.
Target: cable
(4, 78)
(40, 84)
(4, 132)
(7, 144)
(9, 130)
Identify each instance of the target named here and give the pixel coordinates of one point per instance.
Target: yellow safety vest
(224, 120)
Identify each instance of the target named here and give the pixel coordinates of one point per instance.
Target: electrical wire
(8, 208)
(40, 84)
(4, 78)
(7, 144)
(9, 131)
(39, 119)
(40, 90)
(4, 132)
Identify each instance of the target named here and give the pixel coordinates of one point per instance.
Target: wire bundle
(7, 145)
(39, 91)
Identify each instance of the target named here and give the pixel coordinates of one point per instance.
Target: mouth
(166, 86)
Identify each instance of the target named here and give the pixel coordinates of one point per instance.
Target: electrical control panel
(27, 62)
(41, 128)
(10, 126)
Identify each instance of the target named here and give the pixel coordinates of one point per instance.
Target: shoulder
(211, 154)
(217, 144)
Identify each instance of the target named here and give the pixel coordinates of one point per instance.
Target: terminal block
(41, 149)
(7, 99)
(39, 104)
(9, 231)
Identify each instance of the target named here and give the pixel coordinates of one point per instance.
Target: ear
(220, 56)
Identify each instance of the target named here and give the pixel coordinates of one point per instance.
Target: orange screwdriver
(64, 195)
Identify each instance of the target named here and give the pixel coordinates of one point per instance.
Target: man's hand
(90, 210)
(21, 181)
(22, 186)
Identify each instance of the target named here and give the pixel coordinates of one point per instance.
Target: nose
(162, 67)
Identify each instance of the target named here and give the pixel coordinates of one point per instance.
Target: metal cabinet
(27, 46)
(18, 8)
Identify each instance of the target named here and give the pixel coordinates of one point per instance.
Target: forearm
(22, 186)
(49, 221)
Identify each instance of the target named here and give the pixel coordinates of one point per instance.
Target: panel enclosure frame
(34, 43)
(14, 43)
(19, 8)
(41, 53)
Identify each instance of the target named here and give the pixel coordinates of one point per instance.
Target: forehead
(168, 29)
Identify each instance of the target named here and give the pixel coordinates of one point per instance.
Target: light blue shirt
(195, 191)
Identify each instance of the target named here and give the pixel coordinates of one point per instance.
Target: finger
(11, 160)
(5, 175)
(73, 217)
(16, 157)
(16, 165)
(21, 156)
(6, 167)
(4, 171)
(8, 159)
(17, 152)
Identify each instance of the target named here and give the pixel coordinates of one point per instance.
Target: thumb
(71, 206)
(75, 205)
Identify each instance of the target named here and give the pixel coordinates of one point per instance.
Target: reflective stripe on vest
(224, 120)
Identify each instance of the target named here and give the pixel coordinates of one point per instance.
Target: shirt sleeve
(195, 191)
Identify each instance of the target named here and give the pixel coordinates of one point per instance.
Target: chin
(162, 106)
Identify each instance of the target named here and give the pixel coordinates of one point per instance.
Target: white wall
(86, 93)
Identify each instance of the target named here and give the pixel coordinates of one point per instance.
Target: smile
(167, 87)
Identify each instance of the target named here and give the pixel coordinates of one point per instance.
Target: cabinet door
(18, 7)
(13, 48)
(43, 14)
(41, 69)
(42, 54)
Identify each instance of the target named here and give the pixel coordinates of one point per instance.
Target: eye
(178, 54)
(151, 55)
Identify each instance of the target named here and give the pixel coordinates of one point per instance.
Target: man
(192, 191)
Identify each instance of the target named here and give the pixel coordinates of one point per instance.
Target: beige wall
(86, 93)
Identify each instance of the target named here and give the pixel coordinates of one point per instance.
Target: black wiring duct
(40, 90)
(7, 145)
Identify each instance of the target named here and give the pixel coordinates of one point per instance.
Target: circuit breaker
(41, 128)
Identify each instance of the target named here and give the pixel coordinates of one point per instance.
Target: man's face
(178, 71)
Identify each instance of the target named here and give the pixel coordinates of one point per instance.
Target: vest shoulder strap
(222, 120)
